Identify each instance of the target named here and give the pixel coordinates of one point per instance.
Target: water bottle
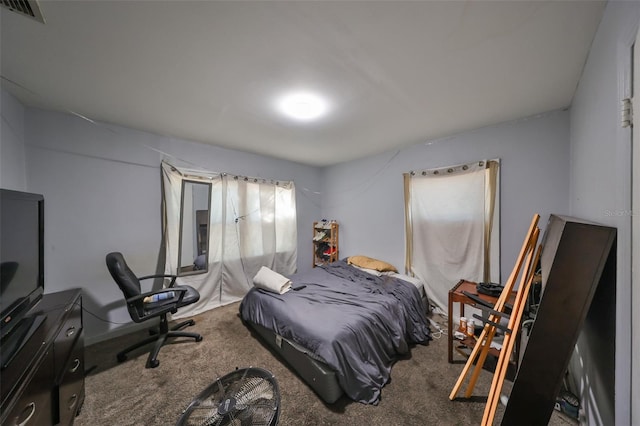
(159, 297)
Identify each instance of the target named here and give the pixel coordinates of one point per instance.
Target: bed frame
(318, 375)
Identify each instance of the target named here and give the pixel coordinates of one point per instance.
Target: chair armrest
(180, 290)
(167, 306)
(171, 284)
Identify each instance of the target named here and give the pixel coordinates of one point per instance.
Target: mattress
(344, 323)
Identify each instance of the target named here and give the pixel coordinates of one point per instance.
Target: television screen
(21, 255)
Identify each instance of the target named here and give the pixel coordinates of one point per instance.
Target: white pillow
(413, 280)
(369, 271)
(272, 281)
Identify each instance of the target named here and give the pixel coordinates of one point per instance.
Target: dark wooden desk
(44, 383)
(456, 295)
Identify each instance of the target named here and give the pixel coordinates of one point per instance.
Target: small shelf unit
(325, 242)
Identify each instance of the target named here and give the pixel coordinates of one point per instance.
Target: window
(452, 228)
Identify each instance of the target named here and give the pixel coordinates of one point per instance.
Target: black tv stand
(15, 341)
(43, 382)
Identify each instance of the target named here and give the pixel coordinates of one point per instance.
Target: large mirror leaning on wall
(195, 202)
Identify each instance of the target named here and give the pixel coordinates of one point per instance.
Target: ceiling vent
(29, 8)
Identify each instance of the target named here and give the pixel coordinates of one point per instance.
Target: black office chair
(142, 307)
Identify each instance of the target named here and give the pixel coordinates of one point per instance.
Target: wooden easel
(481, 349)
(510, 337)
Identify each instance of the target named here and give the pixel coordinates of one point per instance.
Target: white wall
(600, 189)
(102, 186)
(366, 196)
(102, 189)
(13, 171)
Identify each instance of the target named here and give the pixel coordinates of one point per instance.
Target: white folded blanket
(272, 281)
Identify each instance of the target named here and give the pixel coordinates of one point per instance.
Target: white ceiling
(395, 72)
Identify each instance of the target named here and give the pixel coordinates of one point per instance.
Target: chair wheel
(122, 357)
(199, 339)
(153, 363)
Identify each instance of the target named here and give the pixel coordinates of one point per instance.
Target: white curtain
(452, 227)
(252, 223)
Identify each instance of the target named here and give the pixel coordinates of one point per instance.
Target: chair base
(160, 338)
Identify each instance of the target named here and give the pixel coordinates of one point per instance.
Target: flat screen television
(21, 256)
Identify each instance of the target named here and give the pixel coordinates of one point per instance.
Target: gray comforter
(354, 321)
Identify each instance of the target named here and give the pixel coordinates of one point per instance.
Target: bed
(341, 328)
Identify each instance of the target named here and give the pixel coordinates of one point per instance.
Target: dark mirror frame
(200, 229)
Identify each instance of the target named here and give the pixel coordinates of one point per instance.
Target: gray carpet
(129, 394)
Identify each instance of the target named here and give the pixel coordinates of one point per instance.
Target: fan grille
(244, 397)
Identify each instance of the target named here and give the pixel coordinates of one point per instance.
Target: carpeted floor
(129, 394)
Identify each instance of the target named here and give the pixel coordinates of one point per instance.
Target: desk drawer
(71, 386)
(66, 338)
(34, 406)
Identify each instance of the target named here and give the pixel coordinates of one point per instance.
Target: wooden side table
(456, 295)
